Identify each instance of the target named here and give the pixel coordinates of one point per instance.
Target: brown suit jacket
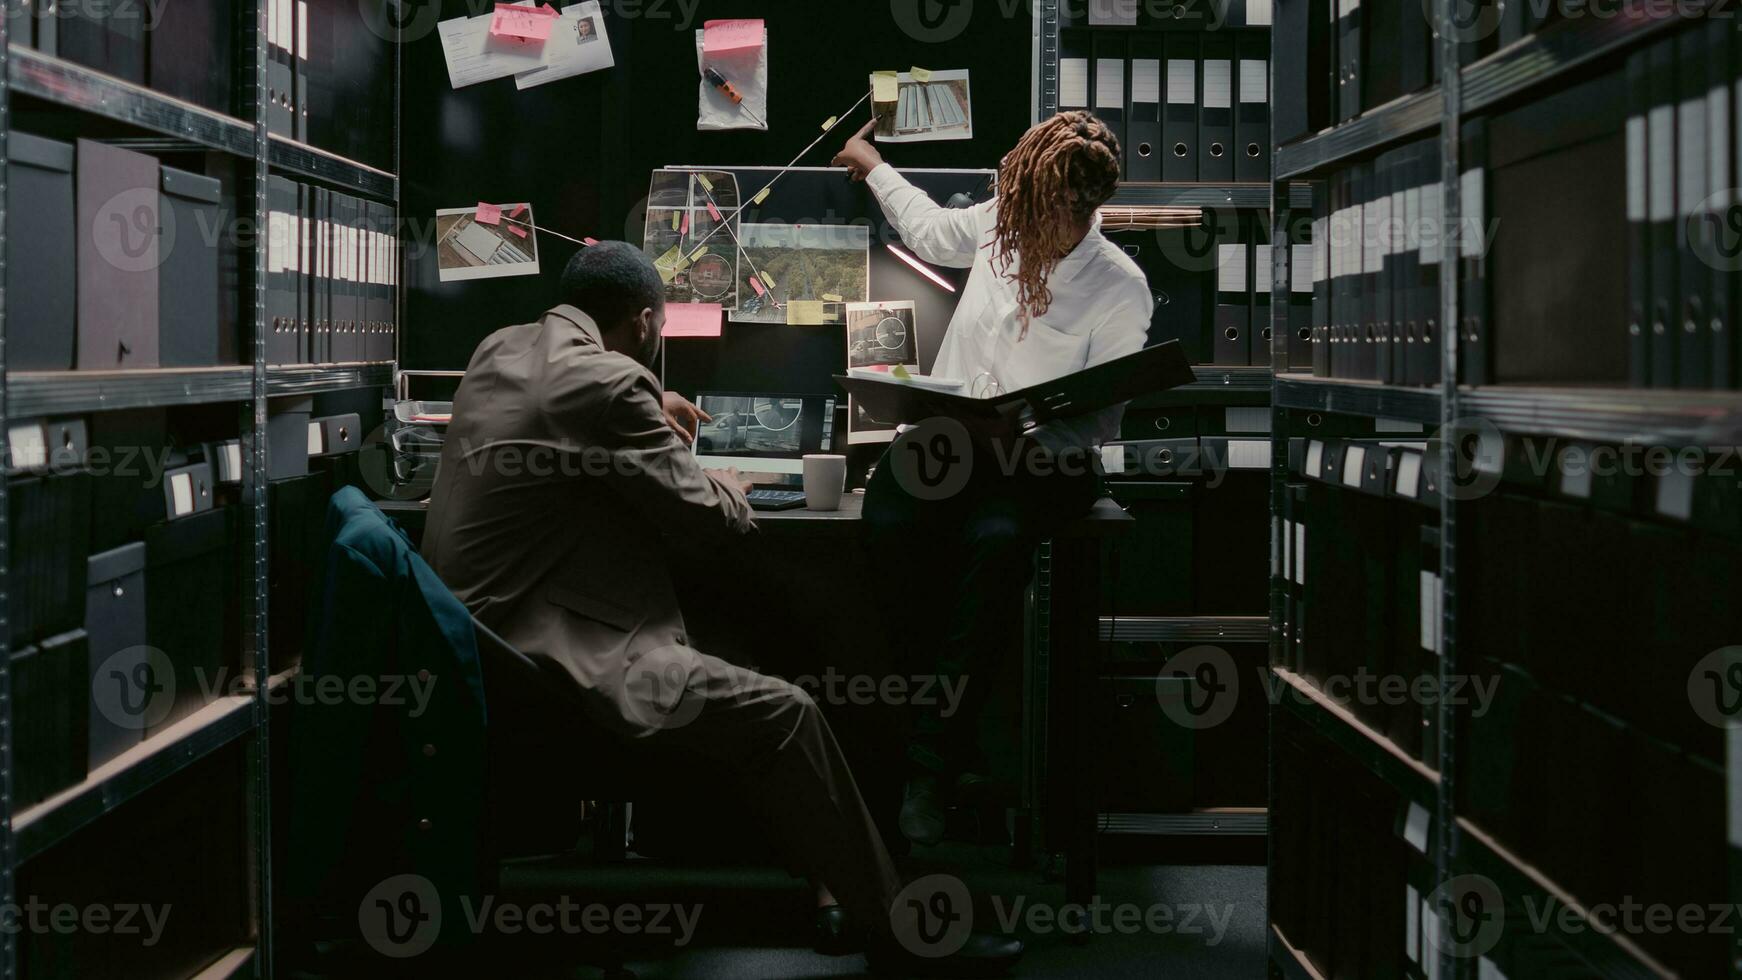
(560, 495)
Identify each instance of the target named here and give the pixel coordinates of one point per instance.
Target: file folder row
(332, 274)
(1372, 260)
(1353, 880)
(1682, 175)
(1542, 772)
(1360, 559)
(330, 76)
(183, 49)
(1338, 58)
(114, 261)
(1186, 106)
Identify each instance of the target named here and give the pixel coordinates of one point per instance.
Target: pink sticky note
(756, 284)
(713, 212)
(519, 209)
(488, 214)
(523, 23)
(590, 242)
(686, 224)
(731, 35)
(518, 231)
(692, 319)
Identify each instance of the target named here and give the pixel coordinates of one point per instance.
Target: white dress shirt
(1100, 308)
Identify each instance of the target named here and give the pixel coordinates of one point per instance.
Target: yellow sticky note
(761, 196)
(767, 279)
(707, 184)
(830, 123)
(805, 313)
(676, 220)
(883, 86)
(666, 264)
(833, 298)
(920, 75)
(900, 372)
(696, 256)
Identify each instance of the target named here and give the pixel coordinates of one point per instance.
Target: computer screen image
(764, 432)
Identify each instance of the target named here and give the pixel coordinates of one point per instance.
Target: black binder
(1252, 110)
(1349, 77)
(1303, 68)
(280, 301)
(1114, 382)
(1365, 348)
(119, 221)
(1109, 83)
(1382, 51)
(1694, 343)
(1179, 126)
(1321, 273)
(1228, 343)
(1385, 262)
(280, 75)
(192, 556)
(300, 68)
(1474, 355)
(1418, 66)
(1661, 212)
(20, 23)
(1640, 308)
(1076, 74)
(1261, 329)
(1143, 146)
(192, 49)
(1299, 345)
(40, 278)
(121, 706)
(1216, 122)
(190, 313)
(1725, 240)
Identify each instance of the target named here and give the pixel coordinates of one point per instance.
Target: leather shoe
(922, 811)
(832, 937)
(983, 954)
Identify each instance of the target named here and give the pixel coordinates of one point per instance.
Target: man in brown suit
(565, 482)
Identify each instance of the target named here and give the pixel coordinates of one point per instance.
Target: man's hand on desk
(683, 416)
(859, 156)
(730, 477)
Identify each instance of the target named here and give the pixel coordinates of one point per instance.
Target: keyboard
(763, 499)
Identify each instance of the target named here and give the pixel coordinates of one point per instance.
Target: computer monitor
(764, 432)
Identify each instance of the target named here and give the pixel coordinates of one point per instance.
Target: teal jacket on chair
(388, 777)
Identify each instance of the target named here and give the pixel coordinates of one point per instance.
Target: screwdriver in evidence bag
(726, 88)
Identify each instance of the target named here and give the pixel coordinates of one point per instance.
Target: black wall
(581, 150)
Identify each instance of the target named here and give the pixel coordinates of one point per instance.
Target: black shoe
(922, 811)
(983, 954)
(832, 936)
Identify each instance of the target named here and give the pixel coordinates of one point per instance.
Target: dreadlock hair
(1061, 171)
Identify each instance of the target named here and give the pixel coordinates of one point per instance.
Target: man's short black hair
(612, 282)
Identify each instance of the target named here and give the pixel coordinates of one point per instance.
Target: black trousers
(958, 554)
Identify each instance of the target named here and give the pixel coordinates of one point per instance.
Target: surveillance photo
(749, 425)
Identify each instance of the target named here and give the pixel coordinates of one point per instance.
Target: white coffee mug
(825, 477)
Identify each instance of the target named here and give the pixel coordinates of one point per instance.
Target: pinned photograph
(863, 427)
(917, 110)
(802, 274)
(691, 237)
(881, 335)
(469, 248)
(573, 48)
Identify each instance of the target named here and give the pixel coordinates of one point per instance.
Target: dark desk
(1063, 664)
(1060, 803)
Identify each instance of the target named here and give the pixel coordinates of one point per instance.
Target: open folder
(1114, 382)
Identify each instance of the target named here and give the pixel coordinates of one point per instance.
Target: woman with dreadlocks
(1048, 295)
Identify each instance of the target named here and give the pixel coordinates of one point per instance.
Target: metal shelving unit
(72, 86)
(1249, 195)
(1358, 398)
(1599, 414)
(1417, 112)
(48, 82)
